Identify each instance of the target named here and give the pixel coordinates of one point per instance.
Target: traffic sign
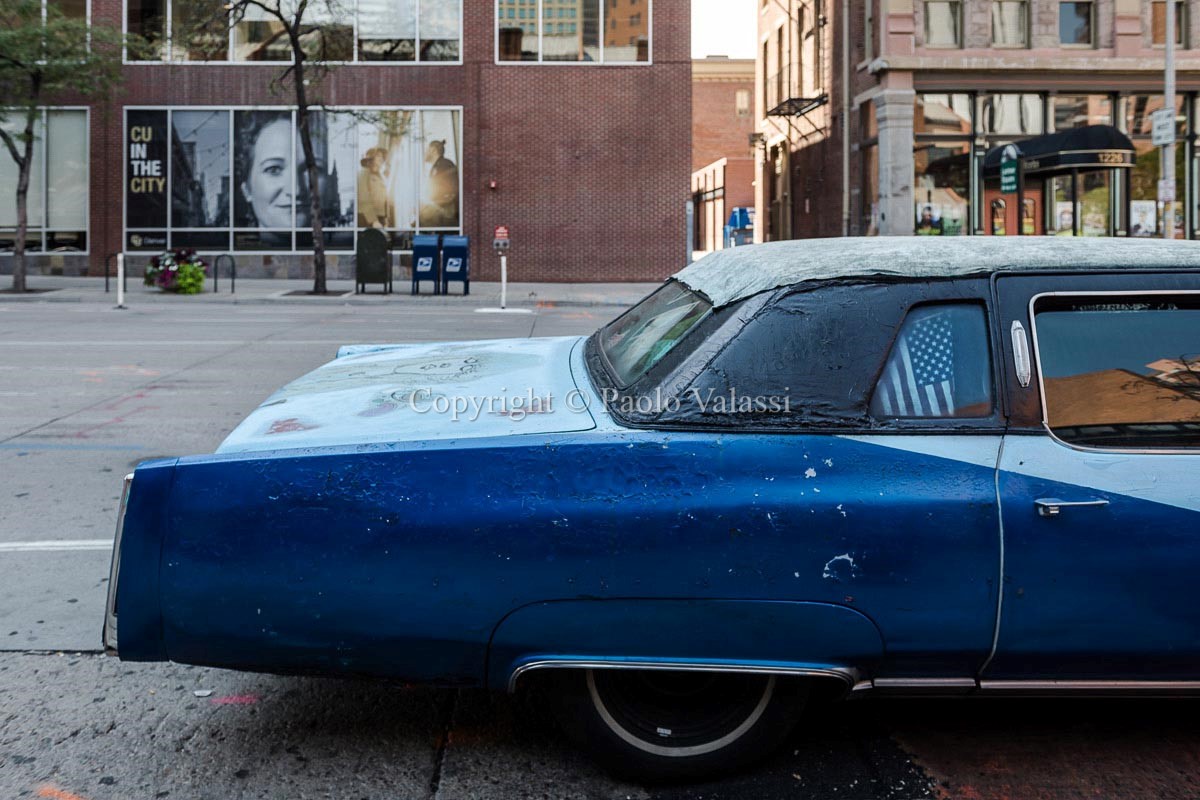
(1162, 131)
(501, 232)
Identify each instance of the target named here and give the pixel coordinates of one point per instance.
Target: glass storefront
(236, 179)
(954, 131)
(57, 200)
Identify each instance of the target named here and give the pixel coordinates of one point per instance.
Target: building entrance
(1074, 183)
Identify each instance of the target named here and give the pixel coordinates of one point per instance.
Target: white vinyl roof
(727, 276)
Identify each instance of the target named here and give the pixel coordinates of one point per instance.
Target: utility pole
(1168, 151)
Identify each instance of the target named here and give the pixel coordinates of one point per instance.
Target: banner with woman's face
(238, 179)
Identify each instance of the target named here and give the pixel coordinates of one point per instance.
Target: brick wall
(718, 131)
(591, 162)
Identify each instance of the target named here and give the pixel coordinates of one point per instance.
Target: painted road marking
(32, 446)
(54, 546)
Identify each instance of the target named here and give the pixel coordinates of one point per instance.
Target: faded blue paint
(402, 560)
(1099, 591)
(450, 390)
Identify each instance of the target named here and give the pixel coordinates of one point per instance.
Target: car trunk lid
(449, 390)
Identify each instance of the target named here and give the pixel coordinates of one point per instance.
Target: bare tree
(315, 33)
(46, 57)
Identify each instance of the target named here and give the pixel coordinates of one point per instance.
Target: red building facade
(439, 116)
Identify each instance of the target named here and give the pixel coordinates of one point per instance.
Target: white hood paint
(396, 393)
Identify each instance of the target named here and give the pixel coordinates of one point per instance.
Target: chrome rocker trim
(847, 676)
(960, 686)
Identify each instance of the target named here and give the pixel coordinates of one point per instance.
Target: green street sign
(1008, 176)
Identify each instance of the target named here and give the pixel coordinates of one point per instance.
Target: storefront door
(1001, 211)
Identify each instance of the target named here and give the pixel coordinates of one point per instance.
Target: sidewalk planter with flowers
(178, 271)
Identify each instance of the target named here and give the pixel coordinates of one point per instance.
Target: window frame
(1037, 367)
(958, 24)
(228, 61)
(901, 422)
(45, 228)
(1091, 44)
(541, 62)
(1025, 28)
(1181, 28)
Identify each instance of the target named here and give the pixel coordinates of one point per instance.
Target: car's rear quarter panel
(403, 562)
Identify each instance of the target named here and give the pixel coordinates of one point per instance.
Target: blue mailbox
(456, 262)
(427, 262)
(740, 228)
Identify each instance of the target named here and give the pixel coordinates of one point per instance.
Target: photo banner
(146, 148)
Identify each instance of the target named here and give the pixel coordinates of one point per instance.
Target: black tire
(655, 726)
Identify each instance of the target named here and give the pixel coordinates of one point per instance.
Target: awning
(1090, 147)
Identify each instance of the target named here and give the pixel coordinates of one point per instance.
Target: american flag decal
(918, 379)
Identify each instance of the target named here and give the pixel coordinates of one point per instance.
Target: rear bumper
(109, 634)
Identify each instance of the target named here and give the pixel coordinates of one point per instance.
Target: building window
(1147, 215)
(57, 211)
(379, 30)
(868, 30)
(1081, 110)
(942, 187)
(223, 180)
(818, 34)
(742, 100)
(610, 33)
(1075, 22)
(1011, 114)
(1010, 23)
(943, 115)
(943, 23)
(1158, 23)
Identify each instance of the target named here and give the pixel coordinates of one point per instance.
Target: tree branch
(11, 145)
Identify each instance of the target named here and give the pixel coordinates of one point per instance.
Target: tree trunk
(25, 168)
(304, 118)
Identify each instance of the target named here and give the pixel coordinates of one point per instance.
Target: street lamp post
(1168, 151)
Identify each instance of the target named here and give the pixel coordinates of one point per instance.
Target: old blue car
(834, 466)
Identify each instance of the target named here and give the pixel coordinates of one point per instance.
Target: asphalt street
(87, 392)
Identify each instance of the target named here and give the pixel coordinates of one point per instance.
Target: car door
(1099, 480)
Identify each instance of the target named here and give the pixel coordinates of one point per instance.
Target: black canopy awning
(1090, 147)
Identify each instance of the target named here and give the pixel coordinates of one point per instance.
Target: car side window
(939, 366)
(1121, 371)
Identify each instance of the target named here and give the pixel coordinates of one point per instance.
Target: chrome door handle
(1052, 506)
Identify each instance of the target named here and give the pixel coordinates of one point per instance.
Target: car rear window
(642, 336)
(1121, 371)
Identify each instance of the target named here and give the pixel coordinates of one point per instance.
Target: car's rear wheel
(657, 725)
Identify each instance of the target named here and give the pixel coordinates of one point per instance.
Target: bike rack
(225, 257)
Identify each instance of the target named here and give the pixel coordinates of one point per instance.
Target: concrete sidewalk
(483, 295)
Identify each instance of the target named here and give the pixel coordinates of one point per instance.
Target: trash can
(427, 262)
(456, 262)
(372, 261)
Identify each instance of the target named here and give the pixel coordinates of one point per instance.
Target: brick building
(892, 116)
(722, 162)
(566, 120)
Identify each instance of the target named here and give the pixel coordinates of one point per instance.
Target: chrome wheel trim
(679, 752)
